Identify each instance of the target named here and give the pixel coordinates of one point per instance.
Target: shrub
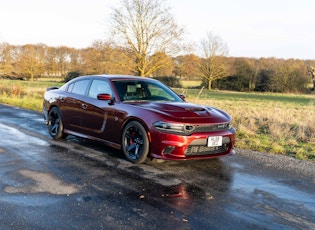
(170, 81)
(72, 75)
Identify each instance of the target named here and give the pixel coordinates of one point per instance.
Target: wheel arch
(55, 106)
(130, 119)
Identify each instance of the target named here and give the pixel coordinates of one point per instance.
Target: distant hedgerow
(170, 81)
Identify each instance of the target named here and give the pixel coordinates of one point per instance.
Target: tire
(55, 125)
(135, 142)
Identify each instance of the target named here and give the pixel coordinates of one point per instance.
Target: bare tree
(31, 61)
(50, 61)
(187, 66)
(246, 69)
(63, 58)
(6, 59)
(311, 70)
(212, 65)
(146, 27)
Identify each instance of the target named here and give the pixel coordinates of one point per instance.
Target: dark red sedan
(141, 116)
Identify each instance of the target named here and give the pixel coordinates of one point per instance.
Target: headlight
(173, 127)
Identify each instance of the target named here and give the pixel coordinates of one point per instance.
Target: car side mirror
(182, 96)
(106, 97)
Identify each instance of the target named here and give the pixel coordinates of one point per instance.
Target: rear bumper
(45, 114)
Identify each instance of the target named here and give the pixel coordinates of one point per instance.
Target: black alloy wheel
(55, 125)
(135, 142)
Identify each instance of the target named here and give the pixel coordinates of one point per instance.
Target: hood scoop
(195, 109)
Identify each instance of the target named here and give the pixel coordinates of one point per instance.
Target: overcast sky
(268, 28)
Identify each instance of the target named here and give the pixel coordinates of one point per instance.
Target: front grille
(211, 128)
(199, 148)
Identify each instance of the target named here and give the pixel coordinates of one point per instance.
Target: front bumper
(175, 147)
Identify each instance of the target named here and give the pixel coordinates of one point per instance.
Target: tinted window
(158, 92)
(99, 86)
(79, 87)
(144, 90)
(70, 87)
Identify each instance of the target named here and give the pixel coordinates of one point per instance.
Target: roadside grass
(50, 79)
(24, 94)
(275, 123)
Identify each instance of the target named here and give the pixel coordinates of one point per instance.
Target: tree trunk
(251, 85)
(209, 84)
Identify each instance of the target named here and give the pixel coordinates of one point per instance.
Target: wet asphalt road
(80, 184)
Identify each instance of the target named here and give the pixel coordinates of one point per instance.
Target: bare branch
(146, 27)
(212, 67)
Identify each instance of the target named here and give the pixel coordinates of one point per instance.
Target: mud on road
(81, 184)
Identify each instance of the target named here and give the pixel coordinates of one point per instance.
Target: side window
(99, 86)
(79, 87)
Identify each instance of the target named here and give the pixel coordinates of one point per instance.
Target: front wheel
(135, 142)
(55, 125)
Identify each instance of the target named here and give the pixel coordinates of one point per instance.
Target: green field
(248, 97)
(24, 94)
(191, 83)
(276, 123)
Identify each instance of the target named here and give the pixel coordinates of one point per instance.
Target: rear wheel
(55, 125)
(135, 142)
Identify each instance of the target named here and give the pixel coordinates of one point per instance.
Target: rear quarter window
(79, 87)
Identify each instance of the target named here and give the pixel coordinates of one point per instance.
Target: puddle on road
(44, 183)
(20, 138)
(181, 195)
(246, 185)
(280, 201)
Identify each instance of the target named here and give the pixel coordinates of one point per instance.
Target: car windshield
(144, 91)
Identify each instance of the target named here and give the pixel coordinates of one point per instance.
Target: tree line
(232, 73)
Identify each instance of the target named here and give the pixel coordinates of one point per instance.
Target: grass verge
(24, 94)
(276, 123)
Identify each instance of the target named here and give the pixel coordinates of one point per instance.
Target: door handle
(84, 106)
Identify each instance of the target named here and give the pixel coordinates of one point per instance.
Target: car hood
(186, 112)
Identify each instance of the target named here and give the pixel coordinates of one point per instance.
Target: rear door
(71, 104)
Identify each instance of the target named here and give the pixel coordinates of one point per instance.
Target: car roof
(117, 77)
(112, 77)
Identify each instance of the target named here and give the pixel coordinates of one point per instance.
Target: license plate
(214, 141)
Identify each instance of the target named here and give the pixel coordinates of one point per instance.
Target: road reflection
(276, 198)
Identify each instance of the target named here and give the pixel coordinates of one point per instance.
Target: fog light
(168, 149)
